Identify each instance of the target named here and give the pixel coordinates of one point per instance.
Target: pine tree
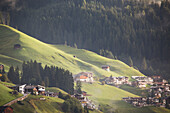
(11, 74)
(17, 81)
(78, 87)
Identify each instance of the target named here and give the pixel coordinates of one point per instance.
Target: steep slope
(62, 56)
(5, 95)
(116, 66)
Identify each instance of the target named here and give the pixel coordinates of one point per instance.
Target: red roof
(83, 77)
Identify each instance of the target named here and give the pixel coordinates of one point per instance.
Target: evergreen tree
(78, 87)
(11, 75)
(17, 81)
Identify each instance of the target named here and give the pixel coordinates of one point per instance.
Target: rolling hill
(59, 55)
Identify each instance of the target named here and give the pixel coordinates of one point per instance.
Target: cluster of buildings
(33, 89)
(142, 81)
(85, 101)
(159, 92)
(116, 80)
(148, 101)
(137, 81)
(29, 89)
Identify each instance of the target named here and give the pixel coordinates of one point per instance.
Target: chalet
(6, 109)
(106, 67)
(84, 77)
(31, 89)
(49, 94)
(21, 89)
(40, 89)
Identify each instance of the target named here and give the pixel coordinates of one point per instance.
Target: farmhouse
(84, 77)
(106, 67)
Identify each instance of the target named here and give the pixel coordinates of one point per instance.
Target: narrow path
(15, 101)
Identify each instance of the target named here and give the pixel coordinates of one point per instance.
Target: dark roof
(29, 87)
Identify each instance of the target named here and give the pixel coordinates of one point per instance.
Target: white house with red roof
(84, 77)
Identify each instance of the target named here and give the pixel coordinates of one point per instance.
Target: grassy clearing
(5, 95)
(33, 104)
(56, 90)
(135, 90)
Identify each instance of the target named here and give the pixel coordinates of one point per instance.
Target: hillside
(112, 96)
(33, 104)
(61, 56)
(130, 29)
(5, 95)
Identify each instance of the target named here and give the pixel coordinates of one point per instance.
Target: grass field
(56, 90)
(33, 104)
(5, 95)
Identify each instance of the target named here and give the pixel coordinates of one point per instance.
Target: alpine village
(84, 56)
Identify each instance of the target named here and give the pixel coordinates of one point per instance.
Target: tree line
(34, 73)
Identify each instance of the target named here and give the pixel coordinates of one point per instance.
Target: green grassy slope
(106, 94)
(118, 68)
(54, 89)
(33, 104)
(5, 95)
(61, 56)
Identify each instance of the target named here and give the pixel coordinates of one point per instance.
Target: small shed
(17, 46)
(106, 67)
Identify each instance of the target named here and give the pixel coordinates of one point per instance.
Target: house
(142, 84)
(49, 94)
(31, 89)
(84, 77)
(106, 67)
(6, 109)
(22, 89)
(41, 89)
